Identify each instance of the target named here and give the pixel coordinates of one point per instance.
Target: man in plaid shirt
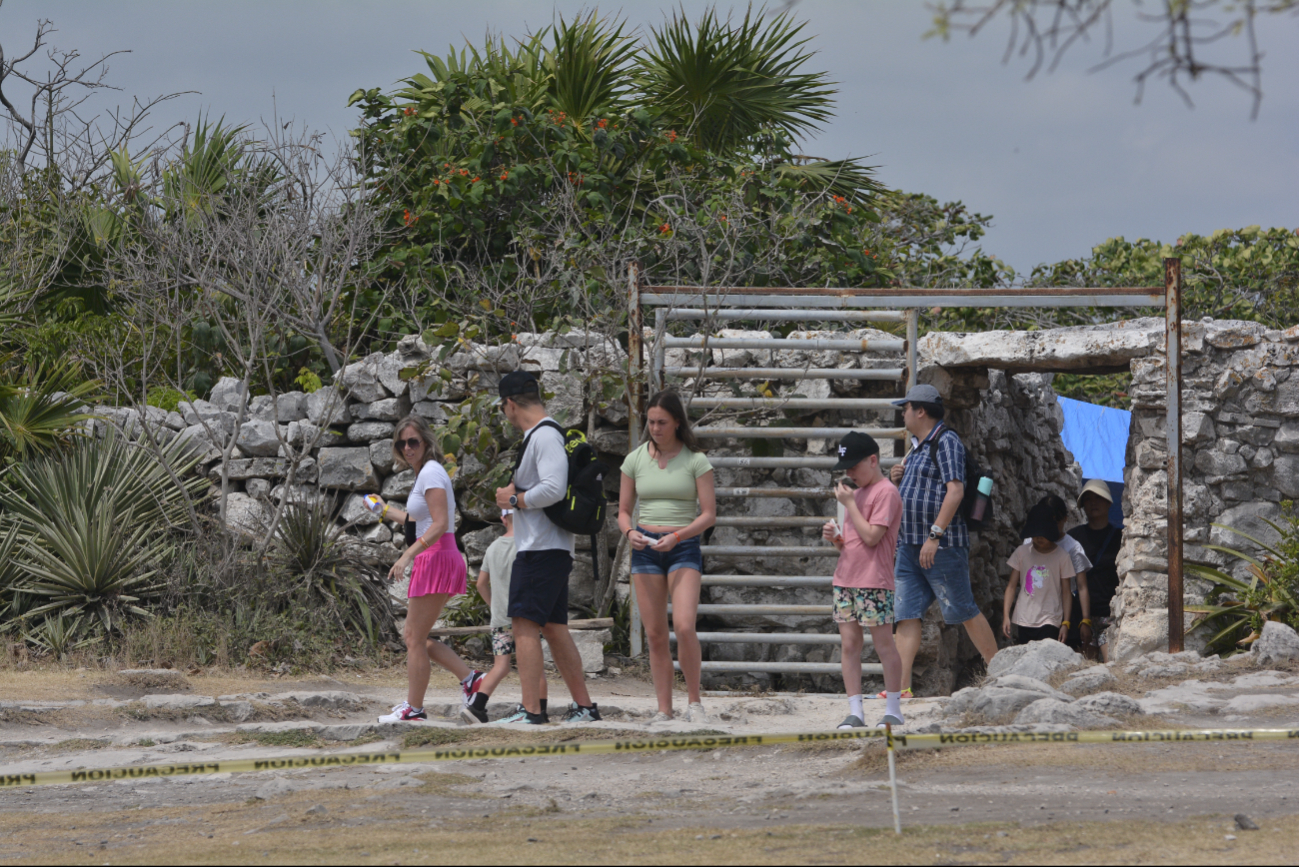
(933, 559)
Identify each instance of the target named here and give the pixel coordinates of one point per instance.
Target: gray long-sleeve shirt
(543, 475)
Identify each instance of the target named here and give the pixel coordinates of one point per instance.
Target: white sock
(893, 703)
(854, 706)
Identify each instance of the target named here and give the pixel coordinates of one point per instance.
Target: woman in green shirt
(674, 482)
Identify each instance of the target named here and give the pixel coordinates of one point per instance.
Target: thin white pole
(893, 780)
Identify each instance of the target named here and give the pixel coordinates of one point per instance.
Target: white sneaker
(404, 713)
(695, 714)
(660, 717)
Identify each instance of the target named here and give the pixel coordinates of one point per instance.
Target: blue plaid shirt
(924, 486)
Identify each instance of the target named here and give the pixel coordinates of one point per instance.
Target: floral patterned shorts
(502, 640)
(869, 606)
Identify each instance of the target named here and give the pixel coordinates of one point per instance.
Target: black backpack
(582, 508)
(973, 472)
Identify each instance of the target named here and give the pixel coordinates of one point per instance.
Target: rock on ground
(1038, 660)
(1089, 680)
(1054, 711)
(1277, 643)
(1111, 704)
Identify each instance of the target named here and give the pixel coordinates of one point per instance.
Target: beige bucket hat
(1100, 488)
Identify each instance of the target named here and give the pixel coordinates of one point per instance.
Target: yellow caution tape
(690, 742)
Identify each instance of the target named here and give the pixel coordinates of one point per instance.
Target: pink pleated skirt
(440, 569)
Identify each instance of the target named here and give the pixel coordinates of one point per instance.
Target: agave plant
(323, 571)
(94, 526)
(40, 409)
(57, 635)
(1237, 608)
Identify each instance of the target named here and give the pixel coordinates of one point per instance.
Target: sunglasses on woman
(412, 443)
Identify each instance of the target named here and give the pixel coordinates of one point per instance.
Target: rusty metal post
(635, 409)
(1173, 353)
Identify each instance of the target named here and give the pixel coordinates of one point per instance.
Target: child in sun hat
(1038, 590)
(863, 578)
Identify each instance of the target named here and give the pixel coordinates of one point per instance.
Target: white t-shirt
(431, 476)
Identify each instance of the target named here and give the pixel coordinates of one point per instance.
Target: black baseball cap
(518, 382)
(855, 448)
(1041, 522)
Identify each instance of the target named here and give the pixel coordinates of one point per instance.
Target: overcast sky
(1062, 162)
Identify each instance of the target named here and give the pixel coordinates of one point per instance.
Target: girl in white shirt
(437, 568)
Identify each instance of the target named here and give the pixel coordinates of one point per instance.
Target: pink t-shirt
(859, 564)
(1042, 594)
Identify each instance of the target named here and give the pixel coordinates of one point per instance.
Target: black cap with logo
(855, 448)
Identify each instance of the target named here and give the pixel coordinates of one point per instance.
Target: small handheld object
(980, 507)
(373, 502)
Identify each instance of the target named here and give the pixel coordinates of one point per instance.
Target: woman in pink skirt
(437, 569)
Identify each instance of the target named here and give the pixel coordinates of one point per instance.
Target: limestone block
(1285, 475)
(477, 542)
(1228, 385)
(258, 438)
(355, 512)
(1277, 643)
(390, 369)
(228, 394)
(398, 486)
(1081, 348)
(258, 489)
(388, 409)
(590, 646)
(327, 407)
(412, 350)
(1286, 439)
(360, 379)
(377, 535)
(613, 411)
(303, 434)
(611, 441)
(178, 702)
(202, 412)
(1213, 462)
(1263, 380)
(567, 404)
(381, 456)
(125, 419)
(247, 515)
(290, 406)
(1111, 704)
(431, 411)
(199, 444)
(1233, 334)
(741, 357)
(295, 494)
(1197, 428)
(1152, 454)
(370, 431)
(239, 469)
(262, 408)
(347, 468)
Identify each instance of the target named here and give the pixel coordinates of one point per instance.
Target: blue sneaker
(579, 714)
(521, 717)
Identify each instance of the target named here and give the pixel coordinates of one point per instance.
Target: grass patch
(78, 744)
(437, 736)
(293, 738)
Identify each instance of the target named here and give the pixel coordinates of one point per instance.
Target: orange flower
(475, 180)
(505, 176)
(408, 111)
(514, 120)
(665, 228)
(408, 218)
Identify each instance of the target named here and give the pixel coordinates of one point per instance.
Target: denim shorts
(684, 555)
(948, 581)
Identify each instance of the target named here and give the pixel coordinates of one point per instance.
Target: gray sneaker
(852, 722)
(696, 715)
(576, 714)
(660, 717)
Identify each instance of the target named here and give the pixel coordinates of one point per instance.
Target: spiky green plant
(95, 525)
(40, 409)
(323, 572)
(1237, 608)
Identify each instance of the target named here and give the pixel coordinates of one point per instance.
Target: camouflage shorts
(869, 606)
(502, 640)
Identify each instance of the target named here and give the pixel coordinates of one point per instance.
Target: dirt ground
(821, 803)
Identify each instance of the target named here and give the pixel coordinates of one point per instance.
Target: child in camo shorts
(863, 578)
(494, 587)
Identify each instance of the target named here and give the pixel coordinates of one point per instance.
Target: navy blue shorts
(539, 586)
(684, 555)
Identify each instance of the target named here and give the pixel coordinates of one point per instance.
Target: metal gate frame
(840, 304)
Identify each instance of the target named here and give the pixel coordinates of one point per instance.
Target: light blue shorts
(948, 581)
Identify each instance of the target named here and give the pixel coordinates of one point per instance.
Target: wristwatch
(514, 501)
(936, 532)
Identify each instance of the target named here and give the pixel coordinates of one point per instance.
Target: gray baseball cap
(921, 394)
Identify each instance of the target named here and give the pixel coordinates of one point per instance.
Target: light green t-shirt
(498, 563)
(668, 498)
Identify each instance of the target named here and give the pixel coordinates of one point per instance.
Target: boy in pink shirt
(863, 578)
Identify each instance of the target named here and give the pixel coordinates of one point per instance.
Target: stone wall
(1241, 432)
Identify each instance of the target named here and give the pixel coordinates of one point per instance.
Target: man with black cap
(863, 578)
(934, 546)
(544, 558)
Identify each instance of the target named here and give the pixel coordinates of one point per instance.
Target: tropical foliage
(1237, 607)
